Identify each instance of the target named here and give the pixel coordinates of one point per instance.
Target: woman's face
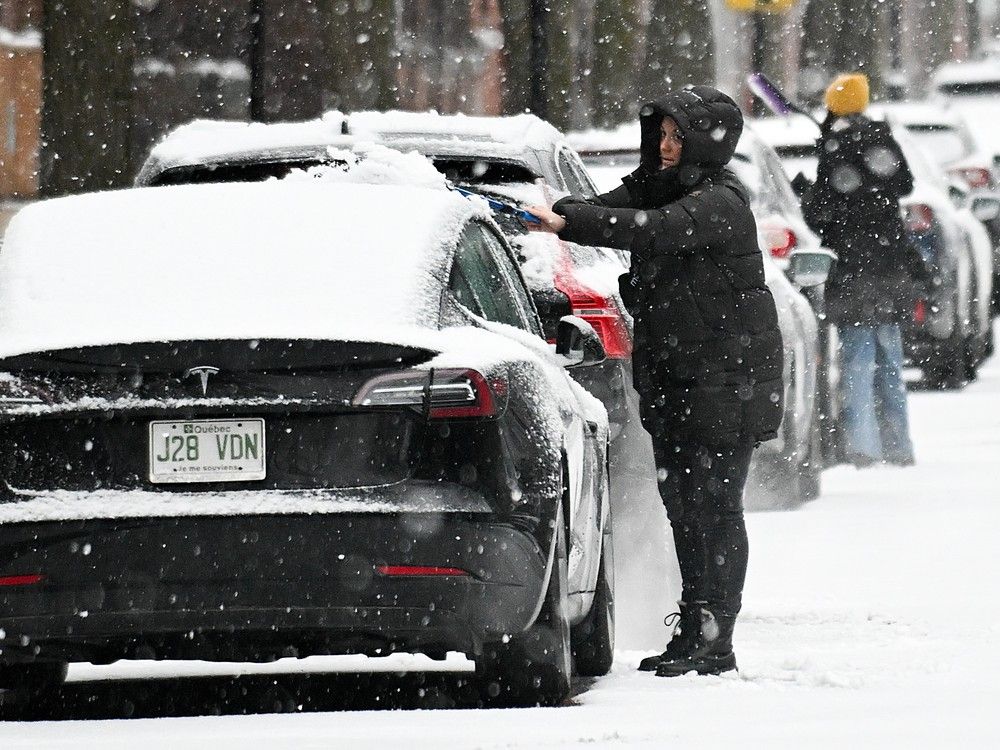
(671, 142)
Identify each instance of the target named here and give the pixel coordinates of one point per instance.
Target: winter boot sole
(651, 663)
(702, 665)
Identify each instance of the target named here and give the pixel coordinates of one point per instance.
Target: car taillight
(919, 218)
(446, 393)
(406, 571)
(780, 241)
(919, 312)
(22, 580)
(974, 177)
(600, 311)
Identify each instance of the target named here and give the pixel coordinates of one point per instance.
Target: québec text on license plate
(207, 450)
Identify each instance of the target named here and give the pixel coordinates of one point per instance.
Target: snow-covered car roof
(298, 259)
(967, 77)
(519, 131)
(916, 113)
(794, 130)
(211, 141)
(219, 141)
(624, 138)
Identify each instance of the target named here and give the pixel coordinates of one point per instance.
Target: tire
(947, 368)
(23, 684)
(811, 467)
(534, 668)
(594, 637)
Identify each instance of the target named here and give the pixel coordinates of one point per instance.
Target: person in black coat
(707, 359)
(854, 205)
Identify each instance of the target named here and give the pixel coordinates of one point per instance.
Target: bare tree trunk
(516, 56)
(842, 36)
(363, 56)
(289, 59)
(679, 46)
(613, 74)
(87, 101)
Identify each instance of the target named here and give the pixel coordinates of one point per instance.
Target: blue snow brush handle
(501, 207)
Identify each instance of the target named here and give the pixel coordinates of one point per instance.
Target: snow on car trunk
(296, 259)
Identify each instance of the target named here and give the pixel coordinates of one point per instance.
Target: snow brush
(499, 206)
(765, 90)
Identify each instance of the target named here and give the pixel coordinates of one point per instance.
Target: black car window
(572, 180)
(520, 292)
(476, 275)
(580, 173)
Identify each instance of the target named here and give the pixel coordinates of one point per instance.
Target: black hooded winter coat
(854, 206)
(707, 362)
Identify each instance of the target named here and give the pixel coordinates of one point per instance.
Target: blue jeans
(873, 395)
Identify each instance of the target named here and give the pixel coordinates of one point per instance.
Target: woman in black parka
(707, 360)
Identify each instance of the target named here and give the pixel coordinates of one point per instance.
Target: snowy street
(870, 620)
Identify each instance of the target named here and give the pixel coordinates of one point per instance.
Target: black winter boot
(712, 649)
(686, 628)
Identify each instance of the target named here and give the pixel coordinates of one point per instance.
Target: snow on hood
(295, 259)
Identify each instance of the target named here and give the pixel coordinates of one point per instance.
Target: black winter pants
(702, 489)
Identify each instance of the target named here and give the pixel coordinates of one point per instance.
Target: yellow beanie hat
(848, 94)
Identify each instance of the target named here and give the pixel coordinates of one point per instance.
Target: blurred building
(20, 97)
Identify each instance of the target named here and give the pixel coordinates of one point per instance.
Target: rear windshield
(480, 171)
(263, 355)
(970, 88)
(943, 143)
(239, 172)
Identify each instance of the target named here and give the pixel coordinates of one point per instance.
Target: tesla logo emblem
(203, 372)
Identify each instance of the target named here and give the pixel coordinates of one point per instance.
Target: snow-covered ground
(871, 620)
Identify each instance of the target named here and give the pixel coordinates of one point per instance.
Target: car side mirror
(985, 207)
(577, 343)
(957, 195)
(810, 267)
(801, 184)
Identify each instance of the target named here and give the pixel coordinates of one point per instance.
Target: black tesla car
(247, 421)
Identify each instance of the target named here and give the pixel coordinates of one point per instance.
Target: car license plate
(209, 450)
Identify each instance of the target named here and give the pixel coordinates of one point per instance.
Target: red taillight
(919, 218)
(974, 177)
(419, 570)
(919, 312)
(23, 580)
(452, 394)
(600, 311)
(780, 241)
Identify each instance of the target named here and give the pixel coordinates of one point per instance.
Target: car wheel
(811, 467)
(594, 637)
(947, 368)
(534, 668)
(23, 684)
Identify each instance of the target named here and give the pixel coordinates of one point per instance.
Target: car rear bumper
(258, 587)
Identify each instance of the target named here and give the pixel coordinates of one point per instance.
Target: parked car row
(313, 417)
(949, 333)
